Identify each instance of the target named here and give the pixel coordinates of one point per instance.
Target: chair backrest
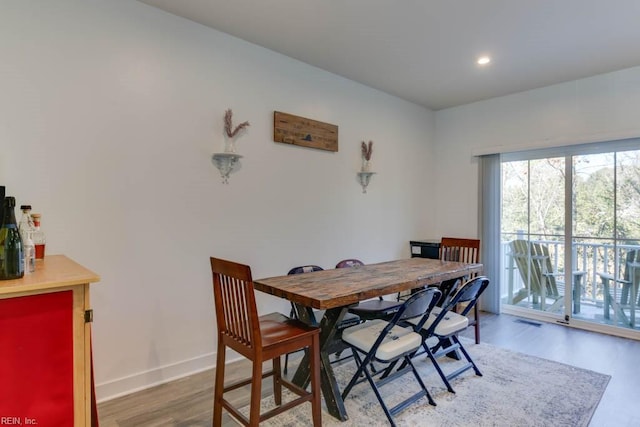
(467, 295)
(304, 269)
(633, 256)
(418, 304)
(300, 270)
(235, 304)
(460, 250)
(345, 263)
(534, 262)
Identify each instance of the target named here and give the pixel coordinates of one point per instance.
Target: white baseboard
(140, 381)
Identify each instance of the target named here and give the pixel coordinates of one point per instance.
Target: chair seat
(450, 324)
(377, 308)
(397, 342)
(276, 328)
(348, 320)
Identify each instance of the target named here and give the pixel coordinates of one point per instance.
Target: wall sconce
(364, 178)
(365, 174)
(226, 163)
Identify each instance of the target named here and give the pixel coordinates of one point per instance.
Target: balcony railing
(590, 257)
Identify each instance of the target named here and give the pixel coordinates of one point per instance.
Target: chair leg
(293, 315)
(316, 403)
(286, 363)
(377, 393)
(256, 394)
(277, 381)
(359, 372)
(466, 355)
(607, 298)
(422, 385)
(437, 366)
(477, 324)
(219, 388)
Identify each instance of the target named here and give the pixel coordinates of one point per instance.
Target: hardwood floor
(188, 401)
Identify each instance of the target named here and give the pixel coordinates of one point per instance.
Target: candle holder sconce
(226, 163)
(364, 178)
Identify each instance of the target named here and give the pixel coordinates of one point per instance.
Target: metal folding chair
(445, 324)
(379, 308)
(348, 320)
(384, 342)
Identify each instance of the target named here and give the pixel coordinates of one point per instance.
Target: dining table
(338, 289)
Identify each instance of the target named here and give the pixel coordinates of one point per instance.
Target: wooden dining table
(338, 289)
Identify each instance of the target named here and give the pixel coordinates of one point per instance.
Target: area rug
(515, 390)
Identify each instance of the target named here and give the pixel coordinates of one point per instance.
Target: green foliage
(533, 197)
(606, 196)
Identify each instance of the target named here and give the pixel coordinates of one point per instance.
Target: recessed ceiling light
(483, 60)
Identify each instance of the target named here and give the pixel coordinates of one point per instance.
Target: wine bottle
(38, 236)
(11, 257)
(2, 189)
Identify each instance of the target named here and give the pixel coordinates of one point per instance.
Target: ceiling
(425, 51)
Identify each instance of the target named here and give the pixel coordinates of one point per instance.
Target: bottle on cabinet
(29, 251)
(38, 236)
(11, 255)
(25, 225)
(2, 190)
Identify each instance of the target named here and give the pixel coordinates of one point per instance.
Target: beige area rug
(515, 390)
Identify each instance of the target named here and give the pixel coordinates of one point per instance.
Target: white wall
(109, 114)
(600, 108)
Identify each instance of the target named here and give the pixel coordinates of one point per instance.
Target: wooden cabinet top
(54, 271)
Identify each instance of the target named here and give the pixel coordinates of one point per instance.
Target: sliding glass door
(588, 196)
(606, 235)
(533, 232)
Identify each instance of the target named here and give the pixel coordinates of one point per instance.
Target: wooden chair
(541, 281)
(461, 250)
(258, 339)
(621, 293)
(534, 263)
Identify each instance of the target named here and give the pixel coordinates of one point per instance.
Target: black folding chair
(385, 342)
(445, 325)
(379, 308)
(348, 320)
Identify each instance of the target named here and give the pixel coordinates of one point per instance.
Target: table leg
(330, 389)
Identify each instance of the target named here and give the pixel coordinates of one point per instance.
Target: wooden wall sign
(290, 129)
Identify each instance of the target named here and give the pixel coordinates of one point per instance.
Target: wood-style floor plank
(189, 401)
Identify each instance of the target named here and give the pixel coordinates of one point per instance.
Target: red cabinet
(45, 346)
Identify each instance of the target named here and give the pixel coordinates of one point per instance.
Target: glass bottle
(2, 190)
(11, 257)
(29, 253)
(38, 236)
(25, 225)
